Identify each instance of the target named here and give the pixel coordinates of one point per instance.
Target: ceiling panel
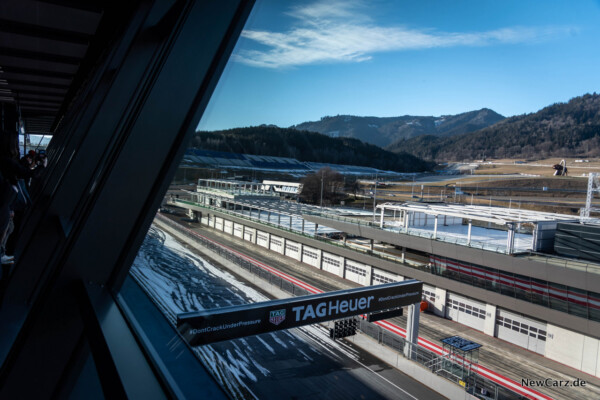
(42, 47)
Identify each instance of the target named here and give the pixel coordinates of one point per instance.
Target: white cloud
(328, 32)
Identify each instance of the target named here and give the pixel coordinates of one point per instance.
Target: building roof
(460, 343)
(495, 215)
(47, 50)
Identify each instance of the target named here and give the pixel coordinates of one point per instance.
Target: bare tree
(326, 183)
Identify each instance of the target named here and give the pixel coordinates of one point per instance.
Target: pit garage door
(331, 263)
(466, 311)
(524, 332)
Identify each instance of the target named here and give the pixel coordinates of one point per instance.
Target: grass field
(499, 184)
(538, 167)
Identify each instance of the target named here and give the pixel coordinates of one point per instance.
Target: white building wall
(428, 295)
(250, 234)
(369, 277)
(440, 302)
(598, 362)
(564, 346)
(228, 227)
(238, 230)
(573, 349)
(219, 223)
(489, 327)
(589, 364)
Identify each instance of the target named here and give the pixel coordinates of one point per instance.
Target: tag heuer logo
(276, 317)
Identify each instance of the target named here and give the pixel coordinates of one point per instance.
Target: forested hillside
(306, 146)
(562, 129)
(384, 131)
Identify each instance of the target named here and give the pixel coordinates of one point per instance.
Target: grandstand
(220, 159)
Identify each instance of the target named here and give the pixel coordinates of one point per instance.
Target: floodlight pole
(322, 189)
(374, 197)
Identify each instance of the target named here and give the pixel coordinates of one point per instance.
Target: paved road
(507, 359)
(301, 363)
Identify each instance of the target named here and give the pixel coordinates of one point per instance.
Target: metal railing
(476, 244)
(566, 263)
(538, 257)
(338, 243)
(563, 262)
(473, 384)
(238, 192)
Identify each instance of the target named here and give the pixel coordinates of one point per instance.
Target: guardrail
(474, 384)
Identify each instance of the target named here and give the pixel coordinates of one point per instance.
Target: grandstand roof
(496, 215)
(223, 159)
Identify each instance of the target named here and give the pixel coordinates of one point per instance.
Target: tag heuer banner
(227, 323)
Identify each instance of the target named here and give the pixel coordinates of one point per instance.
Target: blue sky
(298, 61)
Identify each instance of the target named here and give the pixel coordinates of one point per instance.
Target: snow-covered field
(261, 366)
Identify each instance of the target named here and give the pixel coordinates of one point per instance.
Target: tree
(328, 181)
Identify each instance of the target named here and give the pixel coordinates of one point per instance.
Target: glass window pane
(594, 306)
(522, 287)
(558, 296)
(539, 292)
(507, 284)
(578, 302)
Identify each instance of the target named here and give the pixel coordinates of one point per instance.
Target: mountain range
(387, 131)
(569, 129)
